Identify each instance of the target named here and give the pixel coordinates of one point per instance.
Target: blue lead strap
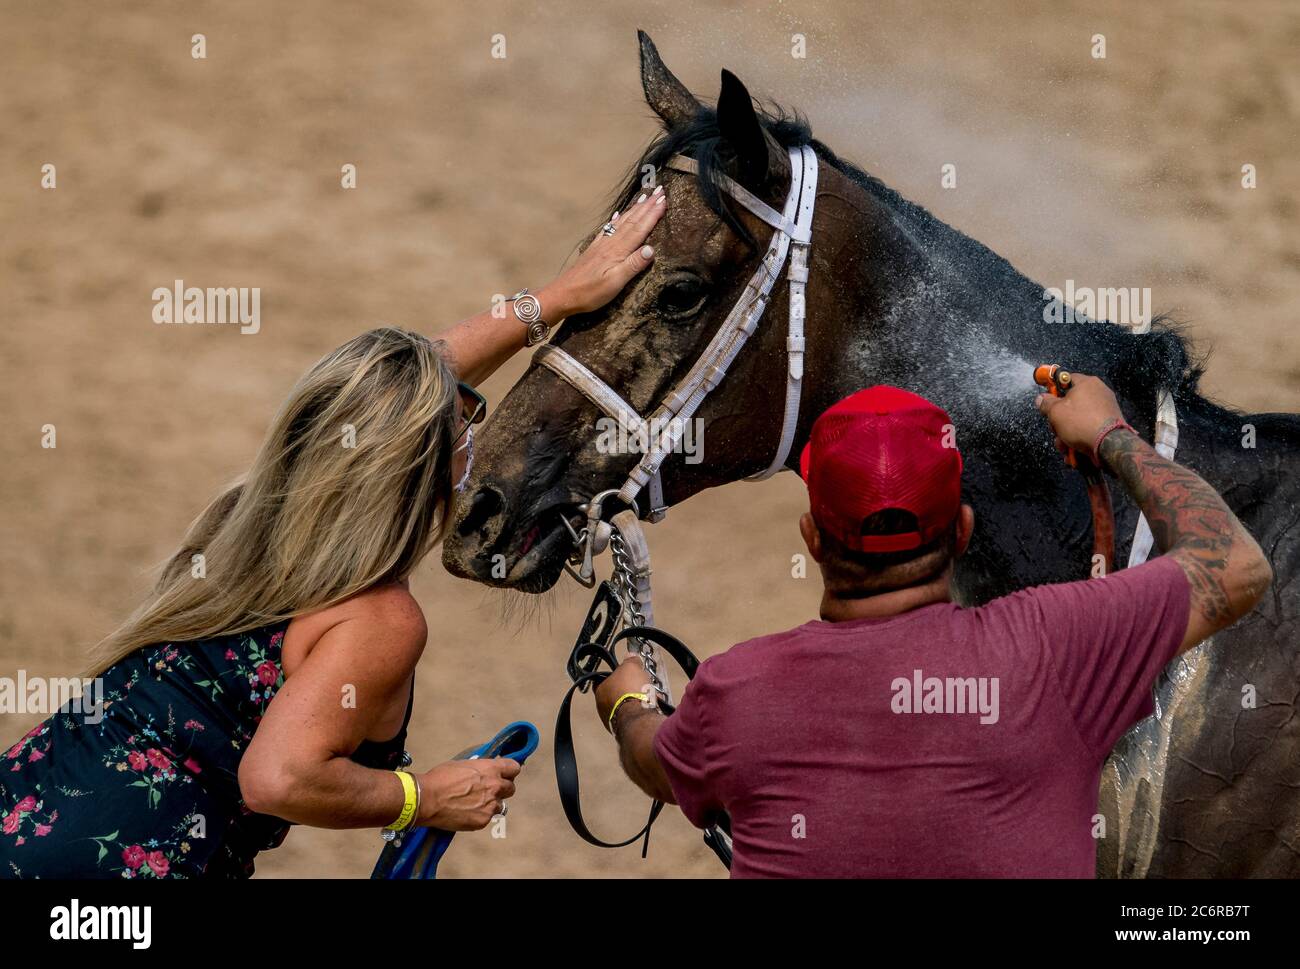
(416, 853)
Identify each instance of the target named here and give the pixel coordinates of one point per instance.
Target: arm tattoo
(1188, 519)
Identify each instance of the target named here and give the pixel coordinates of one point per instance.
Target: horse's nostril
(484, 505)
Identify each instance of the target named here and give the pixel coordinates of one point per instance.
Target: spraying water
(1003, 374)
(1000, 391)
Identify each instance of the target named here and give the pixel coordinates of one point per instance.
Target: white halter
(1165, 439)
(663, 429)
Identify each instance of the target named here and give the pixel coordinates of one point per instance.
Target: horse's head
(539, 456)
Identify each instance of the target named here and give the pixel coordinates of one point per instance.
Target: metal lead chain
(625, 588)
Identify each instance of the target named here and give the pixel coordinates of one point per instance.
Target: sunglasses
(473, 409)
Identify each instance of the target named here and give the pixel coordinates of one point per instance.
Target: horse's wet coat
(1207, 787)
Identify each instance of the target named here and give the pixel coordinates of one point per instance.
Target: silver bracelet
(528, 310)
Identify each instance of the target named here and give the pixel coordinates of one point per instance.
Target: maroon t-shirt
(943, 742)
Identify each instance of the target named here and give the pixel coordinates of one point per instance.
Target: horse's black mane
(1161, 357)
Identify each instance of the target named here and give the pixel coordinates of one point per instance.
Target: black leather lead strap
(670, 644)
(584, 667)
(566, 768)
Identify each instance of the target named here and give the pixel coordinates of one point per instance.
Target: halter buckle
(592, 540)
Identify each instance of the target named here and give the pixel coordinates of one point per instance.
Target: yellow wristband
(614, 712)
(412, 791)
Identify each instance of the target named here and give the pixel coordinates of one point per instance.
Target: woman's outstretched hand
(610, 262)
(465, 795)
(476, 347)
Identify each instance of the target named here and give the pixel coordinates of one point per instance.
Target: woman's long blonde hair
(349, 490)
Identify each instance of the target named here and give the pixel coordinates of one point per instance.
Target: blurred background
(477, 176)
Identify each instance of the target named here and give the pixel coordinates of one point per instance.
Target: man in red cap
(902, 735)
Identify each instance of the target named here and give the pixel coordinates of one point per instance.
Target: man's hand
(630, 677)
(1078, 417)
(465, 795)
(636, 726)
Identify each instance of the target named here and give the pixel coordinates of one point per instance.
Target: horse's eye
(682, 295)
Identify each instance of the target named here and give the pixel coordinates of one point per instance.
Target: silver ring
(607, 229)
(504, 808)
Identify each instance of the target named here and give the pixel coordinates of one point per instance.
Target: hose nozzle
(1053, 378)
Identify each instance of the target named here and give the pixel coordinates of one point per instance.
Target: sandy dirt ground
(477, 176)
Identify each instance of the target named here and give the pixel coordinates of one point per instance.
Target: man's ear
(812, 537)
(965, 529)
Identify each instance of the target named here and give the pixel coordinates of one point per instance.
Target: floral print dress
(151, 790)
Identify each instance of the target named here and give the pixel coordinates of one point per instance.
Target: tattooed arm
(1225, 567)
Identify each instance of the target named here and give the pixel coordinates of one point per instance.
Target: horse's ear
(663, 92)
(739, 126)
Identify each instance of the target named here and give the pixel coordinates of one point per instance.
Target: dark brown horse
(1211, 784)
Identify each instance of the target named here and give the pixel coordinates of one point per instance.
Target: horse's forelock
(701, 140)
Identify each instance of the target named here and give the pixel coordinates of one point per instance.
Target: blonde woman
(222, 718)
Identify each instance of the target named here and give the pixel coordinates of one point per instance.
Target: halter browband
(792, 235)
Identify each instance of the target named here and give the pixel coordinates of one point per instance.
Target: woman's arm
(297, 766)
(479, 345)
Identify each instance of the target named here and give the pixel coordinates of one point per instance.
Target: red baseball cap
(882, 448)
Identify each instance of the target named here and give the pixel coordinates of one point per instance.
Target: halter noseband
(662, 431)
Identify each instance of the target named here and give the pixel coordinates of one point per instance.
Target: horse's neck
(970, 343)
